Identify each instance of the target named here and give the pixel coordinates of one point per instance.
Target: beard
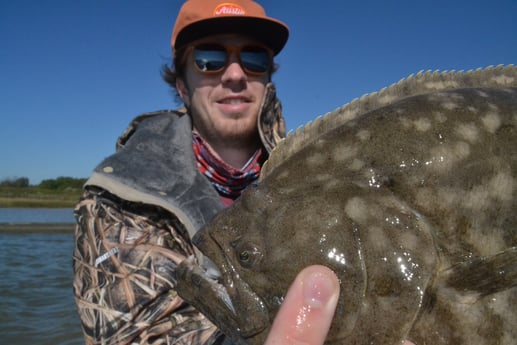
(236, 133)
(239, 133)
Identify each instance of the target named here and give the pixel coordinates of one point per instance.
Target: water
(36, 215)
(36, 297)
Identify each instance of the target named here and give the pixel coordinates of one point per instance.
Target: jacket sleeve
(125, 256)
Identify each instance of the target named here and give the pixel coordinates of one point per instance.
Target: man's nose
(234, 70)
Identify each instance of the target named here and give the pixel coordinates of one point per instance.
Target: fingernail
(319, 288)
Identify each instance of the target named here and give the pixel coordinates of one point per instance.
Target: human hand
(308, 309)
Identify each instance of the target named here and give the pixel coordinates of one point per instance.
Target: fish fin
(423, 82)
(485, 275)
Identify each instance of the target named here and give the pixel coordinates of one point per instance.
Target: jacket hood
(155, 164)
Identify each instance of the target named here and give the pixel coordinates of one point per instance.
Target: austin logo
(228, 9)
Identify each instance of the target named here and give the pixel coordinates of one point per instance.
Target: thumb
(307, 311)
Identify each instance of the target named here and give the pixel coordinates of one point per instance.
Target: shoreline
(12, 203)
(27, 228)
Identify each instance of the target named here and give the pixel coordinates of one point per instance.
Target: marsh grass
(33, 196)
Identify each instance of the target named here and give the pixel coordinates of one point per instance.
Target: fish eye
(244, 256)
(248, 254)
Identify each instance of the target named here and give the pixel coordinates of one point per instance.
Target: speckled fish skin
(412, 204)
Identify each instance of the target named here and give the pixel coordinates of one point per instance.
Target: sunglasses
(212, 58)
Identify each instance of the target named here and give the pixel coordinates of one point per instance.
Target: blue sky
(74, 73)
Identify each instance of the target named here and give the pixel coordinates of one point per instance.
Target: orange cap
(199, 18)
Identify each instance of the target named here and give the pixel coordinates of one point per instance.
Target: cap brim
(271, 33)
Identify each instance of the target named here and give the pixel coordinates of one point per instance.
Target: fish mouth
(207, 276)
(222, 297)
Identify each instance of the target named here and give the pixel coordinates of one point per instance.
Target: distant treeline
(60, 183)
(59, 192)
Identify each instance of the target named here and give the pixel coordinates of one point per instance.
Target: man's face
(224, 105)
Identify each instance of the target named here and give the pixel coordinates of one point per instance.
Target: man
(172, 172)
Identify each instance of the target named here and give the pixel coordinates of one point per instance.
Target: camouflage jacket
(134, 223)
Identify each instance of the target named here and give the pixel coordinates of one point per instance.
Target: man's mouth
(234, 100)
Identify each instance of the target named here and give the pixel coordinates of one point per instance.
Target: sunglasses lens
(210, 58)
(255, 59)
(213, 58)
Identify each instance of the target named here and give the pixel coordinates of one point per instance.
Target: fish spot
(377, 238)
(477, 199)
(364, 135)
(487, 244)
(409, 240)
(315, 159)
(440, 117)
(356, 210)
(468, 132)
(491, 122)
(444, 157)
(332, 184)
(422, 124)
(356, 164)
(461, 150)
(344, 152)
(448, 101)
(501, 186)
(449, 105)
(283, 175)
(323, 177)
(405, 123)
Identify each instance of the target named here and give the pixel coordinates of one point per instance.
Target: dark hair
(172, 73)
(177, 71)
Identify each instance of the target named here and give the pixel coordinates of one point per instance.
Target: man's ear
(182, 89)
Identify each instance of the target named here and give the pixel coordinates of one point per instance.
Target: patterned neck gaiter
(228, 181)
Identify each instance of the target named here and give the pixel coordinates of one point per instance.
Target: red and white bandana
(227, 180)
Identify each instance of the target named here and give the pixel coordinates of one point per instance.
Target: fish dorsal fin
(502, 76)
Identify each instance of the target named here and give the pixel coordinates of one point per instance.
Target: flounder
(407, 194)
